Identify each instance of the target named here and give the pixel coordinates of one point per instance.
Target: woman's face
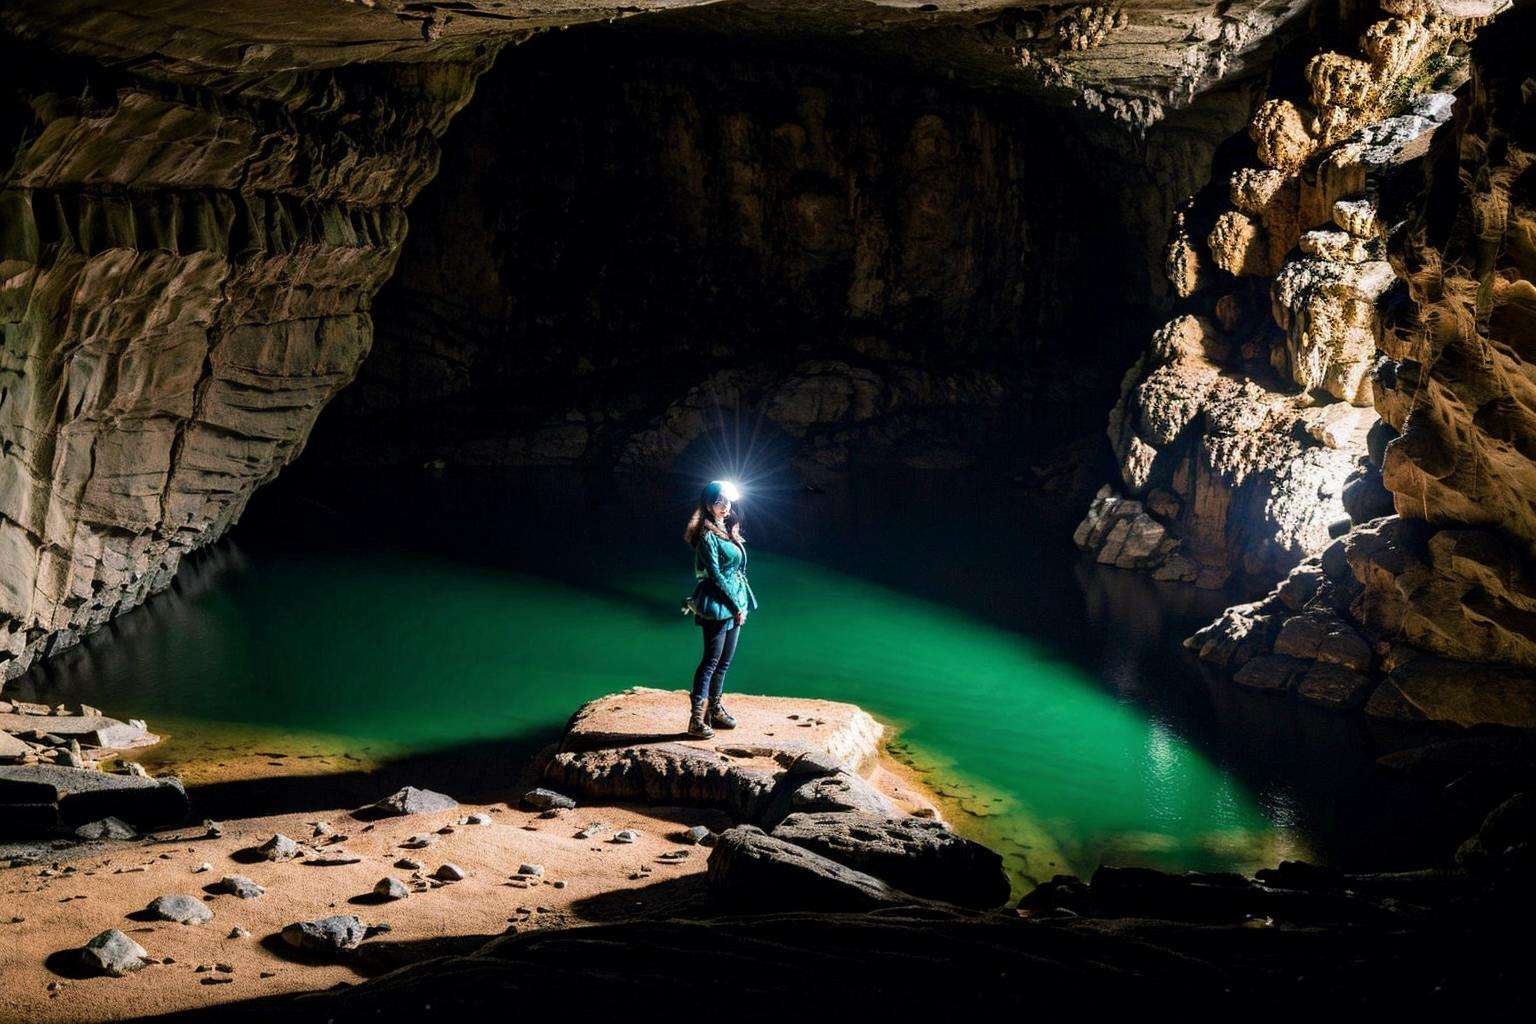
(721, 508)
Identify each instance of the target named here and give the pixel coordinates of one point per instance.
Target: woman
(720, 601)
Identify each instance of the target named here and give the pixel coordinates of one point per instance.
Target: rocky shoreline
(813, 843)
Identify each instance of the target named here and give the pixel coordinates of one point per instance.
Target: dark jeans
(719, 646)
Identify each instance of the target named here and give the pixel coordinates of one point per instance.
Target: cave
(1122, 413)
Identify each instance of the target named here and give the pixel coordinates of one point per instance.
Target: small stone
(407, 864)
(446, 830)
(419, 842)
(213, 829)
(332, 857)
(695, 835)
(625, 836)
(590, 831)
(391, 889)
(545, 799)
(239, 885)
(279, 847)
(531, 870)
(478, 819)
(180, 908)
(449, 873)
(558, 885)
(238, 933)
(113, 953)
(323, 828)
(201, 868)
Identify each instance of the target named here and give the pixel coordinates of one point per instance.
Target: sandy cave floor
(46, 911)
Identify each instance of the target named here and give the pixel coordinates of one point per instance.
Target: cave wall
(1419, 605)
(201, 200)
(620, 240)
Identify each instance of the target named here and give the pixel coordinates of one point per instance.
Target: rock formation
(199, 207)
(1414, 308)
(1242, 431)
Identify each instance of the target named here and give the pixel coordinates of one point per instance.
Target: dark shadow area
(686, 896)
(485, 772)
(66, 963)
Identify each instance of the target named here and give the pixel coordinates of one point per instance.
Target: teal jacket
(720, 566)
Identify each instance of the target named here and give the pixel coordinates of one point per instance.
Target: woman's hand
(741, 618)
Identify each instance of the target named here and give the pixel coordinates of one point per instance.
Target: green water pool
(1053, 711)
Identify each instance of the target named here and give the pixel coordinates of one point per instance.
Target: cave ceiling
(1132, 61)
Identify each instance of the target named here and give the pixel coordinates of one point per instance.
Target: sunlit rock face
(1440, 599)
(1244, 428)
(626, 247)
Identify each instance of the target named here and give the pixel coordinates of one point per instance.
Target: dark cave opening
(629, 241)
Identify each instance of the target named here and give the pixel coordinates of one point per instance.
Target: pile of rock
(816, 832)
(50, 777)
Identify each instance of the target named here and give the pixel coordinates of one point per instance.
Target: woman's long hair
(703, 518)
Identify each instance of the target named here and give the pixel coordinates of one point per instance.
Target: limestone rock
(391, 889)
(751, 871)
(74, 796)
(411, 800)
(112, 953)
(182, 909)
(916, 856)
(240, 886)
(1456, 693)
(107, 828)
(334, 934)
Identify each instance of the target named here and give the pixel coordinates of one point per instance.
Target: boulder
(89, 730)
(107, 828)
(1457, 693)
(664, 773)
(279, 847)
(547, 800)
(752, 871)
(912, 854)
(411, 800)
(112, 953)
(55, 794)
(333, 934)
(391, 889)
(180, 908)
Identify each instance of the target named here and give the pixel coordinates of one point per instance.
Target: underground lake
(358, 620)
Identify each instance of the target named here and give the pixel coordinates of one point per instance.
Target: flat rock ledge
(816, 832)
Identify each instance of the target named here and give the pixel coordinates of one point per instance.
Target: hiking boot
(720, 717)
(698, 728)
